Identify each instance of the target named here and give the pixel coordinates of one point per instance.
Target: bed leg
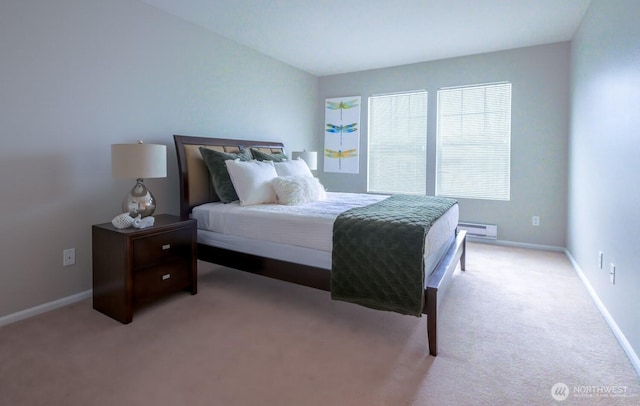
(439, 280)
(432, 323)
(463, 257)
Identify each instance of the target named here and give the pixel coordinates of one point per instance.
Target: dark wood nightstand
(132, 267)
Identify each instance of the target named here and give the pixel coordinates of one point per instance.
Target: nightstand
(132, 267)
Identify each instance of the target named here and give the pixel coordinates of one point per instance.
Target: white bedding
(307, 225)
(305, 228)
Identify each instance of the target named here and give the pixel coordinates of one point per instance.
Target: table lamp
(310, 157)
(138, 161)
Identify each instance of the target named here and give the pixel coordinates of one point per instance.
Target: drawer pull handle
(166, 247)
(166, 276)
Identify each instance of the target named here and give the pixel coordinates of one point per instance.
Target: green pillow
(264, 156)
(218, 171)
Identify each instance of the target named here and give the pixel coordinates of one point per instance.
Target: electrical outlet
(612, 273)
(69, 257)
(535, 221)
(600, 259)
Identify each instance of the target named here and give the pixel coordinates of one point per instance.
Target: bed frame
(195, 189)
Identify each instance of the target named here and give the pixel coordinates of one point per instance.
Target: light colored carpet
(514, 324)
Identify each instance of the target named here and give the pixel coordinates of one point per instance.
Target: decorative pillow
(293, 190)
(264, 156)
(218, 170)
(295, 167)
(252, 181)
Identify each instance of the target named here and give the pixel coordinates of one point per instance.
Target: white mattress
(300, 233)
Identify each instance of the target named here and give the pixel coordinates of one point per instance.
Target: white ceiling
(325, 37)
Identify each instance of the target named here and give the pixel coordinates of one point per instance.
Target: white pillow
(296, 167)
(252, 181)
(298, 189)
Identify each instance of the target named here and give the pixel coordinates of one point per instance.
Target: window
(398, 143)
(473, 153)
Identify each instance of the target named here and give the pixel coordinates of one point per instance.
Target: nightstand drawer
(150, 283)
(162, 247)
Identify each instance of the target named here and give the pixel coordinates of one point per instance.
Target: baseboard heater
(487, 231)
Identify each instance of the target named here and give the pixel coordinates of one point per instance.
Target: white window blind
(473, 155)
(397, 156)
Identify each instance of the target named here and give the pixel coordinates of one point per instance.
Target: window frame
(484, 162)
(417, 164)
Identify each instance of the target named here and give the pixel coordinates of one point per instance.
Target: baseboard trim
(43, 308)
(516, 244)
(624, 343)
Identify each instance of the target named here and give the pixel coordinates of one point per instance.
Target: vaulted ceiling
(325, 37)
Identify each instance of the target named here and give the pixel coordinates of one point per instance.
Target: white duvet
(308, 225)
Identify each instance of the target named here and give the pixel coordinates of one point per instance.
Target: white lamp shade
(138, 160)
(310, 157)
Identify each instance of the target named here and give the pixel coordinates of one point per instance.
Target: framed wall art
(342, 135)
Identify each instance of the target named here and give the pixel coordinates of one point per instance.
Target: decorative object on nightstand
(310, 157)
(138, 161)
(133, 267)
(122, 221)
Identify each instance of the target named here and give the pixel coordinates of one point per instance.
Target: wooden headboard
(195, 183)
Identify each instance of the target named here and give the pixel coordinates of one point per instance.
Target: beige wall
(79, 75)
(540, 111)
(604, 192)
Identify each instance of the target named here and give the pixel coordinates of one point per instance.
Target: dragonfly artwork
(339, 155)
(342, 134)
(342, 105)
(342, 129)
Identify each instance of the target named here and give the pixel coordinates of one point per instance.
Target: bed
(307, 261)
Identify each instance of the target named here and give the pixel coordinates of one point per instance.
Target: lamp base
(139, 201)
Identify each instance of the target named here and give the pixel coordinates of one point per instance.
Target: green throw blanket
(378, 252)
